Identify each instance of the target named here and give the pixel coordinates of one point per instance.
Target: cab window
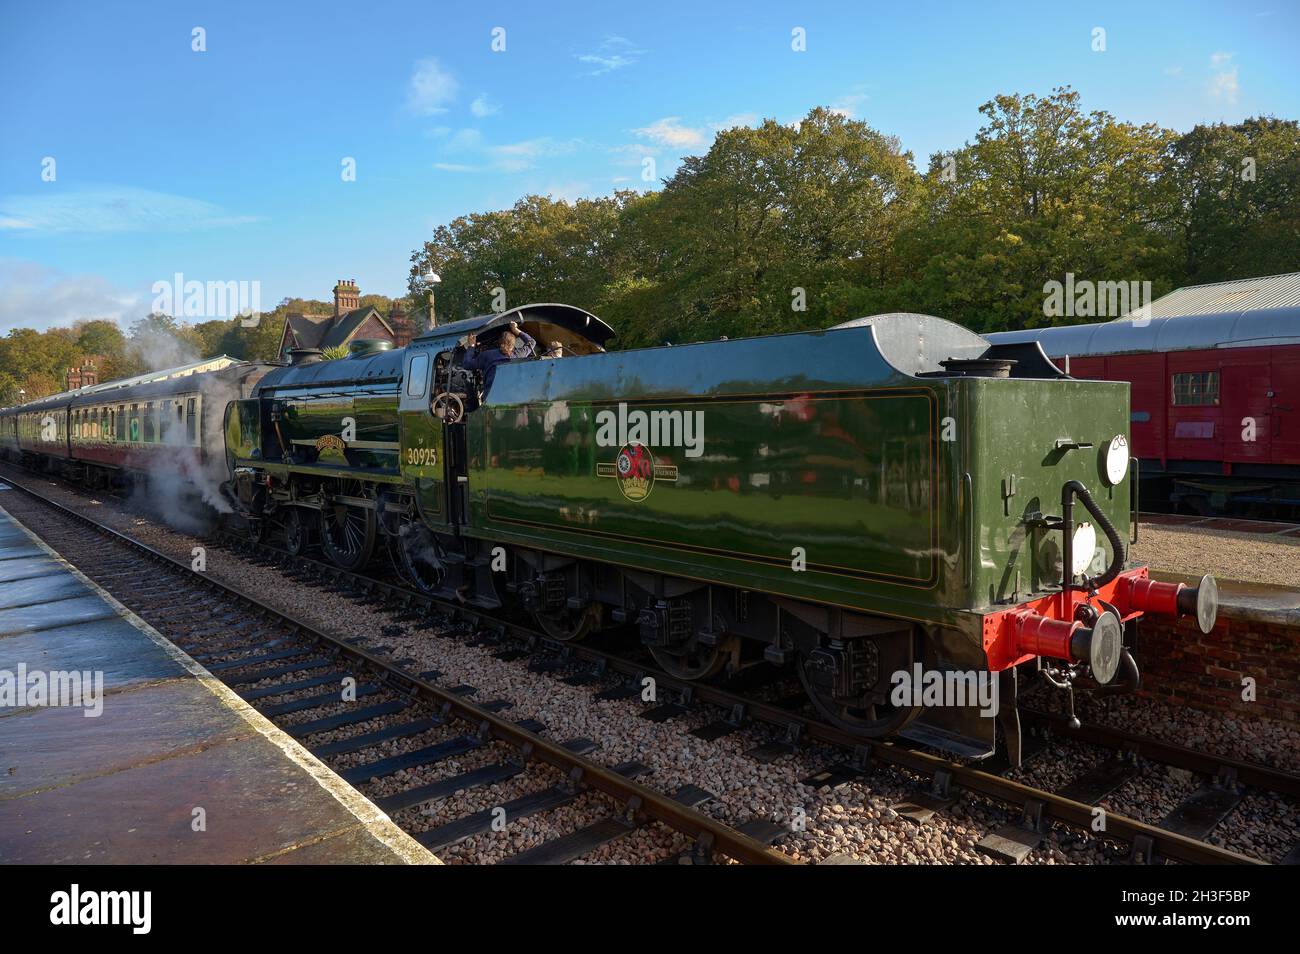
(417, 375)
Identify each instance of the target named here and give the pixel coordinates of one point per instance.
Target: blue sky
(225, 165)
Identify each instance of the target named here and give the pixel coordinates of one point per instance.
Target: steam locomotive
(872, 505)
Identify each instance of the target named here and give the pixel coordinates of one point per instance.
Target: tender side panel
(850, 478)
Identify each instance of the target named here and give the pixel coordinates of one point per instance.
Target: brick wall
(1181, 665)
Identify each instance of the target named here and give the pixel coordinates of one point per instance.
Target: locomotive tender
(892, 493)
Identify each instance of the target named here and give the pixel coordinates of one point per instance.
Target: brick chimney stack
(346, 296)
(403, 330)
(82, 377)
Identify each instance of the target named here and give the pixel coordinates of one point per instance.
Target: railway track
(296, 675)
(1073, 806)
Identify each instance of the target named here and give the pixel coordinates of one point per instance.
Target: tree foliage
(792, 227)
(784, 228)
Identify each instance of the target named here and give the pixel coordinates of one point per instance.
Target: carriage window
(1196, 388)
(150, 435)
(133, 427)
(416, 375)
(191, 421)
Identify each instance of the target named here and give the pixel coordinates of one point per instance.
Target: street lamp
(432, 278)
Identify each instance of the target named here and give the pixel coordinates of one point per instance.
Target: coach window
(133, 425)
(191, 421)
(180, 420)
(105, 428)
(1196, 388)
(150, 434)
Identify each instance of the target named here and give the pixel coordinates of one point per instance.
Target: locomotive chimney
(346, 296)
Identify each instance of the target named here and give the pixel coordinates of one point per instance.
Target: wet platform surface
(164, 755)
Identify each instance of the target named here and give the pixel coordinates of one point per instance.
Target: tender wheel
(691, 660)
(295, 531)
(347, 535)
(422, 558)
(569, 626)
(874, 720)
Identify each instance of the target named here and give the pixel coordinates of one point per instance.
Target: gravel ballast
(854, 819)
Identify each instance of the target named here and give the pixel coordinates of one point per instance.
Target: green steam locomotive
(888, 507)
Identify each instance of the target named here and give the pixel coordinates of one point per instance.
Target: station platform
(156, 761)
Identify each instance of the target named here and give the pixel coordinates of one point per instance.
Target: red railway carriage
(1215, 390)
(160, 424)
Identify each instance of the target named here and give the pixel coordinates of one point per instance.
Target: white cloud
(464, 140)
(613, 53)
(482, 106)
(112, 209)
(849, 104)
(1173, 71)
(518, 156)
(669, 131)
(507, 157)
(1223, 85)
(431, 88)
(40, 297)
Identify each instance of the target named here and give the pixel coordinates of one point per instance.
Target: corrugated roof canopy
(1245, 313)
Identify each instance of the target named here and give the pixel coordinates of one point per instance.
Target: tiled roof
(327, 331)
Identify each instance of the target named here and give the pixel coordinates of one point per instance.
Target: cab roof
(569, 317)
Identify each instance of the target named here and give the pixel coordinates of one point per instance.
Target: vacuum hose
(1068, 492)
